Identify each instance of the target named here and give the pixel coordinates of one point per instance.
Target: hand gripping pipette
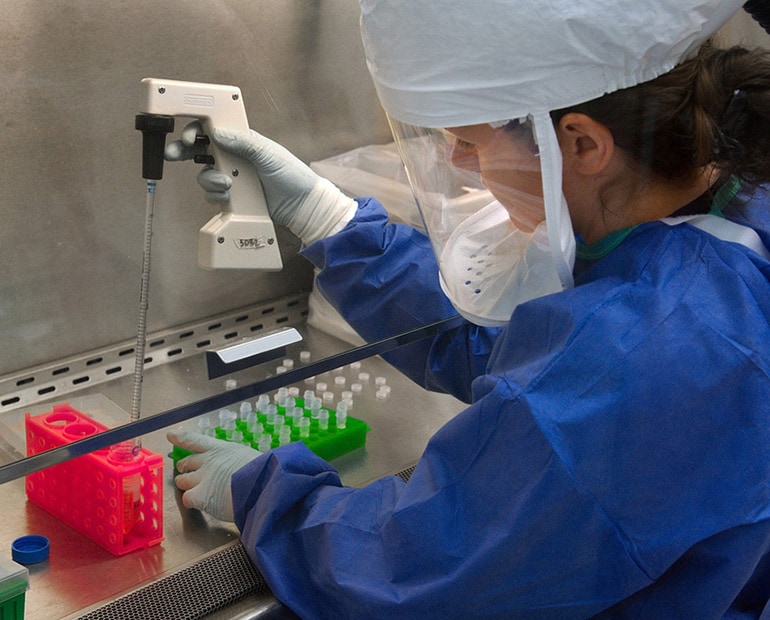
(242, 236)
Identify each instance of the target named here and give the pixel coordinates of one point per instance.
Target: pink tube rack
(89, 493)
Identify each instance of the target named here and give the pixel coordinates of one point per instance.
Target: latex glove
(205, 476)
(309, 205)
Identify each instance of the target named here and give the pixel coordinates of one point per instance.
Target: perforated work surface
(211, 584)
(406, 474)
(194, 592)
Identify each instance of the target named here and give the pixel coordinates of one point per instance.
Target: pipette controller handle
(154, 128)
(242, 235)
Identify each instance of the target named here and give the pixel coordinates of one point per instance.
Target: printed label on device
(251, 243)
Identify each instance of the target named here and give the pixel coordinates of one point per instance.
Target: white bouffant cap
(446, 63)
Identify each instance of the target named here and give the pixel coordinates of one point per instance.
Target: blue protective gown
(615, 459)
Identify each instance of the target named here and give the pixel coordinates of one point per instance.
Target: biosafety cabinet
(79, 285)
(73, 257)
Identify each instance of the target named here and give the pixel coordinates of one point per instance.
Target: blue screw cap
(30, 549)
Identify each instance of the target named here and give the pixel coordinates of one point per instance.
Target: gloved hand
(205, 476)
(309, 205)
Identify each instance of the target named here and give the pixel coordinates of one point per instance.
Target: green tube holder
(14, 583)
(328, 443)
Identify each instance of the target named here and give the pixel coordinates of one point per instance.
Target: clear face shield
(479, 190)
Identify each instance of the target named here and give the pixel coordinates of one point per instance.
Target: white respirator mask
(489, 266)
(479, 190)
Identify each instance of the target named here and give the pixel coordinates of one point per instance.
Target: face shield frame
(501, 207)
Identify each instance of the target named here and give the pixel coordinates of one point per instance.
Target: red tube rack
(94, 494)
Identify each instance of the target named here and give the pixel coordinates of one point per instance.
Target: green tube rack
(14, 583)
(328, 443)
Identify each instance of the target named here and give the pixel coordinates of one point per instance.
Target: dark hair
(714, 108)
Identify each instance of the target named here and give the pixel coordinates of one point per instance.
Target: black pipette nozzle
(154, 128)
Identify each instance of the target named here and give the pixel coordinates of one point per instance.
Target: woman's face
(507, 162)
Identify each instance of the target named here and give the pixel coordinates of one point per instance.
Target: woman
(615, 457)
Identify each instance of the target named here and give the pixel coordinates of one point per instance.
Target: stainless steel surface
(118, 431)
(79, 574)
(57, 379)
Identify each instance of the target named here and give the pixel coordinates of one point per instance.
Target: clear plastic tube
(304, 427)
(323, 419)
(245, 409)
(131, 501)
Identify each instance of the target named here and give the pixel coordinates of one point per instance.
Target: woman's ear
(587, 145)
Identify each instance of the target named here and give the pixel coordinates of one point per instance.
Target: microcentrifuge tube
(297, 414)
(262, 402)
(229, 427)
(307, 396)
(380, 381)
(355, 366)
(363, 376)
(294, 391)
(304, 356)
(356, 388)
(288, 363)
(328, 396)
(323, 419)
(284, 435)
(236, 436)
(231, 384)
(251, 418)
(280, 395)
(304, 427)
(321, 387)
(272, 411)
(342, 409)
(263, 444)
(245, 409)
(279, 370)
(279, 420)
(203, 424)
(339, 381)
(225, 415)
(347, 395)
(342, 419)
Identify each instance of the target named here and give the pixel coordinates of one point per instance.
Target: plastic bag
(375, 170)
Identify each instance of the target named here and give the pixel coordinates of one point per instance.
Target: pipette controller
(242, 235)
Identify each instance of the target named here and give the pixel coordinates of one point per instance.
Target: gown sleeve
(383, 278)
(479, 526)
